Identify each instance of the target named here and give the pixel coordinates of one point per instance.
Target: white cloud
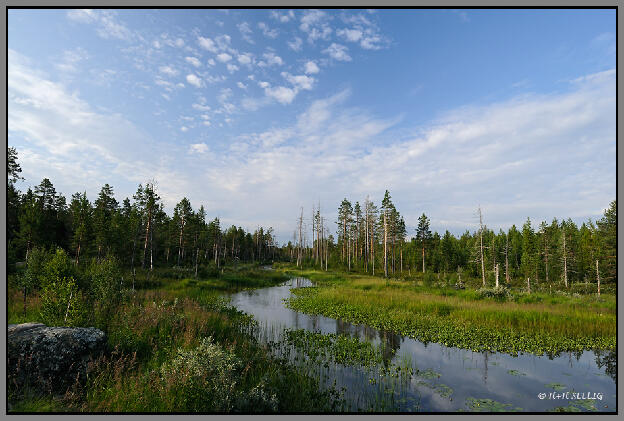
(223, 41)
(199, 148)
(201, 107)
(70, 60)
(371, 43)
(66, 136)
(263, 84)
(224, 57)
(246, 32)
(364, 31)
(300, 81)
(244, 58)
(353, 35)
(311, 17)
(311, 68)
(194, 80)
(211, 62)
(232, 67)
(183, 129)
(241, 85)
(168, 70)
(193, 60)
(282, 94)
(272, 59)
(105, 22)
(295, 44)
(82, 15)
(266, 31)
(252, 104)
(283, 17)
(224, 95)
(315, 24)
(207, 44)
(338, 52)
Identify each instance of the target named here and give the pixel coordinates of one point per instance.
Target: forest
(368, 238)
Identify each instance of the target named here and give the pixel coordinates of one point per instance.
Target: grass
(540, 323)
(182, 348)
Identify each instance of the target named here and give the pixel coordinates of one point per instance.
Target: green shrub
(499, 294)
(103, 282)
(202, 379)
(63, 304)
(429, 278)
(59, 266)
(34, 276)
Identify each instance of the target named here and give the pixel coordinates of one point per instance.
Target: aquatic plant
(455, 322)
(489, 405)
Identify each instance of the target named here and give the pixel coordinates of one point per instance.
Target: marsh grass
(161, 359)
(464, 318)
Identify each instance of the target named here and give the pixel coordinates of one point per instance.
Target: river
(449, 379)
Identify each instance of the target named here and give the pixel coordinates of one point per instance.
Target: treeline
(372, 239)
(137, 232)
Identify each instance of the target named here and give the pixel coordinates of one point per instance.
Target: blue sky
(255, 113)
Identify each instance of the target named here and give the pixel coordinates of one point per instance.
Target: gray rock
(50, 359)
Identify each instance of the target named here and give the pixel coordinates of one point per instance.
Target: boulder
(50, 359)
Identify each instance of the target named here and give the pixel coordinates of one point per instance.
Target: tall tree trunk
(180, 240)
(366, 246)
(565, 262)
(529, 285)
(506, 259)
(196, 261)
(496, 276)
(349, 252)
(78, 251)
(598, 277)
(147, 231)
(481, 247)
(151, 249)
(385, 245)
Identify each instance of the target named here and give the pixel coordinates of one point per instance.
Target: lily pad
(556, 386)
(489, 405)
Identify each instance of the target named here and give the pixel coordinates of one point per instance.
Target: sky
(256, 113)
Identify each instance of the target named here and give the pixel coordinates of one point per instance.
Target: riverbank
(180, 347)
(513, 322)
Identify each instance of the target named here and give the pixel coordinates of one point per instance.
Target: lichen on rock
(50, 359)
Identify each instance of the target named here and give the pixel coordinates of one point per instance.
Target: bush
(34, 277)
(59, 266)
(202, 379)
(429, 278)
(62, 304)
(260, 398)
(103, 279)
(499, 294)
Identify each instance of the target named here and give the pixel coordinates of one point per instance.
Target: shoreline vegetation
(180, 347)
(498, 320)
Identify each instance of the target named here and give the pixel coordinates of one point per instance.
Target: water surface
(454, 376)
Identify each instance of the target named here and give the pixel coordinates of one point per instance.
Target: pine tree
(104, 209)
(81, 217)
(182, 213)
(424, 235)
(345, 218)
(607, 229)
